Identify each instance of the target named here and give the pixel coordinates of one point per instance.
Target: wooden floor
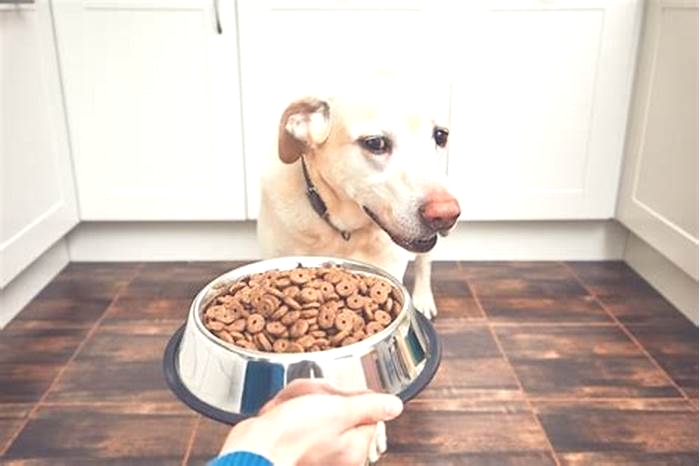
(544, 363)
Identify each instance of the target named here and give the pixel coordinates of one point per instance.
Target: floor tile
(11, 420)
(24, 342)
(490, 433)
(585, 361)
(522, 280)
(62, 312)
(80, 281)
(148, 309)
(208, 440)
(175, 280)
(621, 432)
(609, 278)
(645, 310)
(676, 351)
(119, 363)
(451, 292)
(576, 309)
(78, 435)
(471, 366)
(627, 295)
(25, 383)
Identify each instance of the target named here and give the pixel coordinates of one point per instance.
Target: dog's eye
(440, 136)
(376, 144)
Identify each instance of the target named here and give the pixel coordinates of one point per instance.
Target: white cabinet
(152, 98)
(540, 95)
(292, 48)
(37, 199)
(659, 193)
(537, 91)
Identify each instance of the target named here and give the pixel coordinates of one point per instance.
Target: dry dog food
(302, 310)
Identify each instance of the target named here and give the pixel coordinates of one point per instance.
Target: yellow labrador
(359, 175)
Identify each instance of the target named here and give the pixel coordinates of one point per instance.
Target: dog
(359, 175)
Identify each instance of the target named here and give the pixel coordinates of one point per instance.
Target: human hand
(314, 423)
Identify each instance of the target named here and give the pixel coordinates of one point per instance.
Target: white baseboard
(672, 282)
(211, 241)
(18, 292)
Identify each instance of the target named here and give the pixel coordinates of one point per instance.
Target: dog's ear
(304, 126)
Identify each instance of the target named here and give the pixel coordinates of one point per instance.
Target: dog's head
(381, 150)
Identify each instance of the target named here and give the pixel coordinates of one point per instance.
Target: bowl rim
(287, 263)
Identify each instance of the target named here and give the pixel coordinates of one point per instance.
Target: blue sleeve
(240, 458)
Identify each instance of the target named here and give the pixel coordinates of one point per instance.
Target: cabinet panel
(153, 105)
(37, 198)
(292, 49)
(539, 104)
(659, 194)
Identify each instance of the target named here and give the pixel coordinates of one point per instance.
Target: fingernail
(393, 406)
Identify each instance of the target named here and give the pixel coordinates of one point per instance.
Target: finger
(296, 388)
(370, 408)
(350, 449)
(300, 387)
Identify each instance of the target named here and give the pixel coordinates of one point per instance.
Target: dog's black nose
(440, 211)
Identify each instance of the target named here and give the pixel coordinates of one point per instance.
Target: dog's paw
(378, 445)
(425, 303)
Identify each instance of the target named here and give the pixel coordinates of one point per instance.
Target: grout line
(190, 441)
(92, 330)
(515, 376)
(485, 321)
(629, 334)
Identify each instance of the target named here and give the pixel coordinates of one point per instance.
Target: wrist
(259, 436)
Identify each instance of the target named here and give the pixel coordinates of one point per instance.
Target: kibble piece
(344, 320)
(275, 328)
(355, 301)
(326, 316)
(255, 323)
(340, 336)
(237, 326)
(306, 341)
(309, 295)
(374, 327)
(215, 326)
(263, 342)
(299, 276)
(224, 336)
(379, 293)
(280, 312)
(245, 344)
(299, 328)
(290, 317)
(345, 288)
(382, 317)
(291, 302)
(294, 347)
(280, 345)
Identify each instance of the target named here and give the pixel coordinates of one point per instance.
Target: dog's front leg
(422, 292)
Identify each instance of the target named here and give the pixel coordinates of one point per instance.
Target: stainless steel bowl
(228, 383)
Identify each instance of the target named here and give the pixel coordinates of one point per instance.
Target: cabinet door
(153, 105)
(539, 105)
(659, 194)
(299, 47)
(37, 199)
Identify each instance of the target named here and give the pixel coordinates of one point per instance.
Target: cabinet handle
(15, 2)
(216, 15)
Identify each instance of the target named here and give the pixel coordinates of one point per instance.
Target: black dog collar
(317, 203)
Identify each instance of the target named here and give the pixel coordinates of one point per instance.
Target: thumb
(370, 408)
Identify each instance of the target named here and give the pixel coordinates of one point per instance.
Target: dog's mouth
(417, 245)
